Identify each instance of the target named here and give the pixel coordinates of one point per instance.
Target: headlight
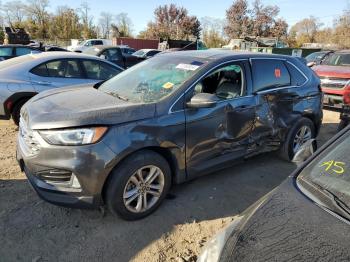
(73, 137)
(214, 247)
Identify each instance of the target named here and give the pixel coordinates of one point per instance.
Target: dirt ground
(33, 230)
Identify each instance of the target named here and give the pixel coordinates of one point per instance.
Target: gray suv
(23, 77)
(164, 121)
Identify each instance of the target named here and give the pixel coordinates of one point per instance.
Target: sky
(141, 12)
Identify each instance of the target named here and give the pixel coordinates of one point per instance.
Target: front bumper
(89, 164)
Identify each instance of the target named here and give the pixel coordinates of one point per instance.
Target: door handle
(43, 83)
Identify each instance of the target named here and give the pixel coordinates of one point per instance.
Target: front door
(218, 135)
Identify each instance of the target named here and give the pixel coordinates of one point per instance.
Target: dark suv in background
(10, 51)
(170, 119)
(118, 55)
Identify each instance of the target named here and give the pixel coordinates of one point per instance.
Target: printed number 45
(335, 166)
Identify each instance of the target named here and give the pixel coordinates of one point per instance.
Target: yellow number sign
(335, 166)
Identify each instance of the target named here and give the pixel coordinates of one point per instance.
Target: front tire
(16, 111)
(302, 131)
(138, 185)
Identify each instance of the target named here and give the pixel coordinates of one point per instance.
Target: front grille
(333, 82)
(28, 139)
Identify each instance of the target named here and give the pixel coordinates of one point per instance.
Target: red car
(334, 73)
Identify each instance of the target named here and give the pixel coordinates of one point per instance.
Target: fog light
(75, 182)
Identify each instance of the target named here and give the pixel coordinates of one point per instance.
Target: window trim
(285, 87)
(274, 88)
(201, 78)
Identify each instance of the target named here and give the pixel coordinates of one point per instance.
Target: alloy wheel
(302, 136)
(143, 189)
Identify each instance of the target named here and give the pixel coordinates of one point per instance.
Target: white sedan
(23, 77)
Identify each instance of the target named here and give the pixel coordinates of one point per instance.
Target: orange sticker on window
(277, 73)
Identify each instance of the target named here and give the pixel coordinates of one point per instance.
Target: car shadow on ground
(32, 228)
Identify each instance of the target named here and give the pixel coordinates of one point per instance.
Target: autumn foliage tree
(259, 21)
(172, 22)
(213, 32)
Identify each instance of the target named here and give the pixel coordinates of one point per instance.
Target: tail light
(9, 105)
(346, 95)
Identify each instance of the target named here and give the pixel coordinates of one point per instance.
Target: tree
(172, 22)
(238, 21)
(1, 25)
(212, 32)
(105, 23)
(264, 19)
(14, 13)
(88, 29)
(279, 29)
(342, 30)
(124, 25)
(305, 31)
(38, 17)
(64, 24)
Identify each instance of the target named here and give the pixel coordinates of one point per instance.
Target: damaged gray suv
(165, 121)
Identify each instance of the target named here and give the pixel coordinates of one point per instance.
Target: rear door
(278, 97)
(216, 136)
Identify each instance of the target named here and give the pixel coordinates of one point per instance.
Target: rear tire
(295, 135)
(16, 111)
(138, 185)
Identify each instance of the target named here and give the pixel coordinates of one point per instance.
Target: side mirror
(311, 64)
(203, 100)
(304, 152)
(103, 57)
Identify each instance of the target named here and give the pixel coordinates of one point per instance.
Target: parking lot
(33, 230)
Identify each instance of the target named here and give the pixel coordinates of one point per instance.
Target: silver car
(23, 77)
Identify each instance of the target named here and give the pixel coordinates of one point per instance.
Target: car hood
(81, 106)
(332, 71)
(287, 226)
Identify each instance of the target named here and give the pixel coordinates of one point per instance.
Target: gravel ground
(33, 230)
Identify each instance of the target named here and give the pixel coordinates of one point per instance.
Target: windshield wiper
(337, 201)
(119, 96)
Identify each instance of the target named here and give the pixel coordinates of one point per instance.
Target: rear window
(297, 78)
(40, 70)
(269, 73)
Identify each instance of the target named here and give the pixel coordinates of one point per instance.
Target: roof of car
(61, 54)
(17, 45)
(343, 51)
(149, 49)
(103, 47)
(214, 54)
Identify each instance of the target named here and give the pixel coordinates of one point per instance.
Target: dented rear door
(279, 103)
